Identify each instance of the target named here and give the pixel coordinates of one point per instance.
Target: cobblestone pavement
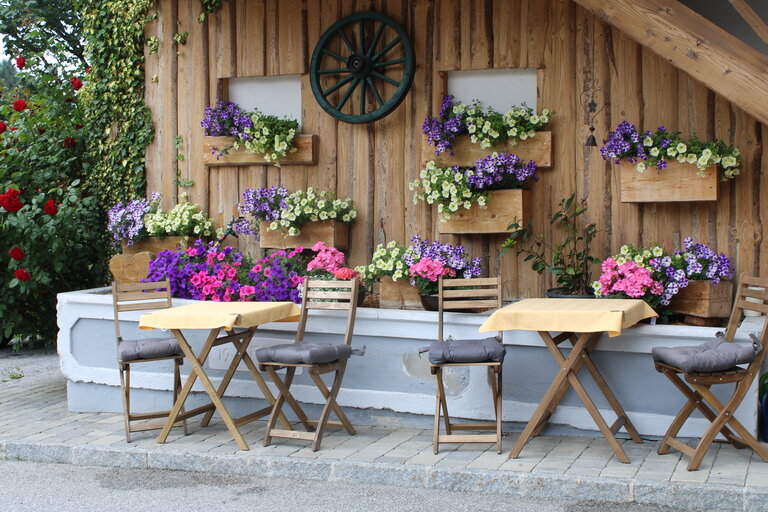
(36, 426)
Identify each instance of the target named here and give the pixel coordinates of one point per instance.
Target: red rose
(3, 127)
(70, 142)
(88, 69)
(50, 208)
(16, 254)
(78, 126)
(21, 62)
(13, 129)
(76, 83)
(69, 100)
(19, 105)
(21, 275)
(11, 204)
(12, 192)
(40, 130)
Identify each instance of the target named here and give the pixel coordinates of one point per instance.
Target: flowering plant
(656, 149)
(279, 276)
(185, 219)
(388, 260)
(452, 188)
(327, 259)
(270, 136)
(288, 211)
(126, 221)
(628, 279)
(485, 126)
(701, 263)
(226, 120)
(438, 259)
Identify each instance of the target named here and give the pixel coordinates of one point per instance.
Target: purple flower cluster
(226, 119)
(261, 204)
(451, 256)
(627, 142)
(701, 262)
(442, 130)
(277, 277)
(620, 142)
(501, 171)
(126, 221)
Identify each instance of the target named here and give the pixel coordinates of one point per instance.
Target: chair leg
(336, 407)
(436, 430)
(329, 404)
(496, 381)
(441, 403)
(125, 391)
(177, 389)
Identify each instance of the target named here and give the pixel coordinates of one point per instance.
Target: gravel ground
(28, 365)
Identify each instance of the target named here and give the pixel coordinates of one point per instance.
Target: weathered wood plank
(251, 37)
(466, 154)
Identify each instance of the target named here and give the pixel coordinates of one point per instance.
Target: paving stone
(303, 469)
(582, 488)
(689, 496)
(755, 499)
(474, 480)
(99, 456)
(3, 455)
(55, 453)
(379, 474)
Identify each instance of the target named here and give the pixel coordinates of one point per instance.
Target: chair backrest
(139, 297)
(741, 304)
(474, 293)
(320, 294)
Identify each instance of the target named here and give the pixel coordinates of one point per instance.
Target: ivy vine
(114, 101)
(208, 6)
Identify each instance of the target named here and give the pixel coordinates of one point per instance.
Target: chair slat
(487, 292)
(752, 306)
(126, 296)
(129, 287)
(327, 305)
(470, 304)
(754, 281)
(757, 294)
(312, 294)
(138, 306)
(475, 281)
(330, 284)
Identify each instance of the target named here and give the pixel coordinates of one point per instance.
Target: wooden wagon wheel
(362, 67)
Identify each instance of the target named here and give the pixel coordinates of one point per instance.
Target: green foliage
(113, 101)
(569, 261)
(208, 7)
(8, 78)
(45, 28)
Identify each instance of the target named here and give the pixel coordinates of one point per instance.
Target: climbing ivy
(208, 7)
(113, 101)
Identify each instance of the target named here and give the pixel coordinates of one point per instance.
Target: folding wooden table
(590, 318)
(215, 316)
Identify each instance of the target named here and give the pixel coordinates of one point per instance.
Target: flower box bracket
(305, 154)
(679, 182)
(503, 208)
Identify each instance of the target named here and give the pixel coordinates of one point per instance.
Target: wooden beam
(751, 17)
(695, 45)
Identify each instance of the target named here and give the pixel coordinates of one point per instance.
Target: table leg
(549, 397)
(199, 372)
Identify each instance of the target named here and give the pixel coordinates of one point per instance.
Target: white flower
(624, 250)
(657, 251)
(647, 142)
(691, 158)
(654, 151)
(681, 148)
(640, 167)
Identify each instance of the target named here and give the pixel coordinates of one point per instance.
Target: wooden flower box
(306, 152)
(678, 182)
(703, 299)
(154, 244)
(502, 209)
(465, 153)
(334, 234)
(130, 268)
(398, 294)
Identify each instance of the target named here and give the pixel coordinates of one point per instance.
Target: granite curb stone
(541, 485)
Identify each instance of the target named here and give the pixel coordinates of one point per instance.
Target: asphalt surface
(29, 486)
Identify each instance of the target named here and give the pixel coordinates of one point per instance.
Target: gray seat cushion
(304, 353)
(148, 348)
(712, 356)
(467, 351)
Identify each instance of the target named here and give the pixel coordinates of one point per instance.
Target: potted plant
(568, 261)
(328, 264)
(285, 220)
(389, 269)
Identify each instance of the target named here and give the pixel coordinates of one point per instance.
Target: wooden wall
(373, 163)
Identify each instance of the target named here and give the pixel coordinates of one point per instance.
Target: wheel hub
(360, 65)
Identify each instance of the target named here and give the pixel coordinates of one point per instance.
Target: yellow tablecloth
(569, 315)
(210, 315)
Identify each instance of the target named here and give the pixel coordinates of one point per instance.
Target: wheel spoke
(389, 63)
(333, 71)
(362, 99)
(385, 78)
(362, 36)
(346, 40)
(375, 90)
(384, 50)
(334, 55)
(347, 94)
(376, 38)
(337, 85)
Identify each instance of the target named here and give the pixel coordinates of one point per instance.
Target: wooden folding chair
(697, 389)
(317, 358)
(141, 297)
(458, 294)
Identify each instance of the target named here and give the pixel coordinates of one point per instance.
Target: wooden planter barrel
(465, 154)
(502, 209)
(334, 234)
(703, 299)
(677, 183)
(133, 264)
(398, 294)
(306, 152)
